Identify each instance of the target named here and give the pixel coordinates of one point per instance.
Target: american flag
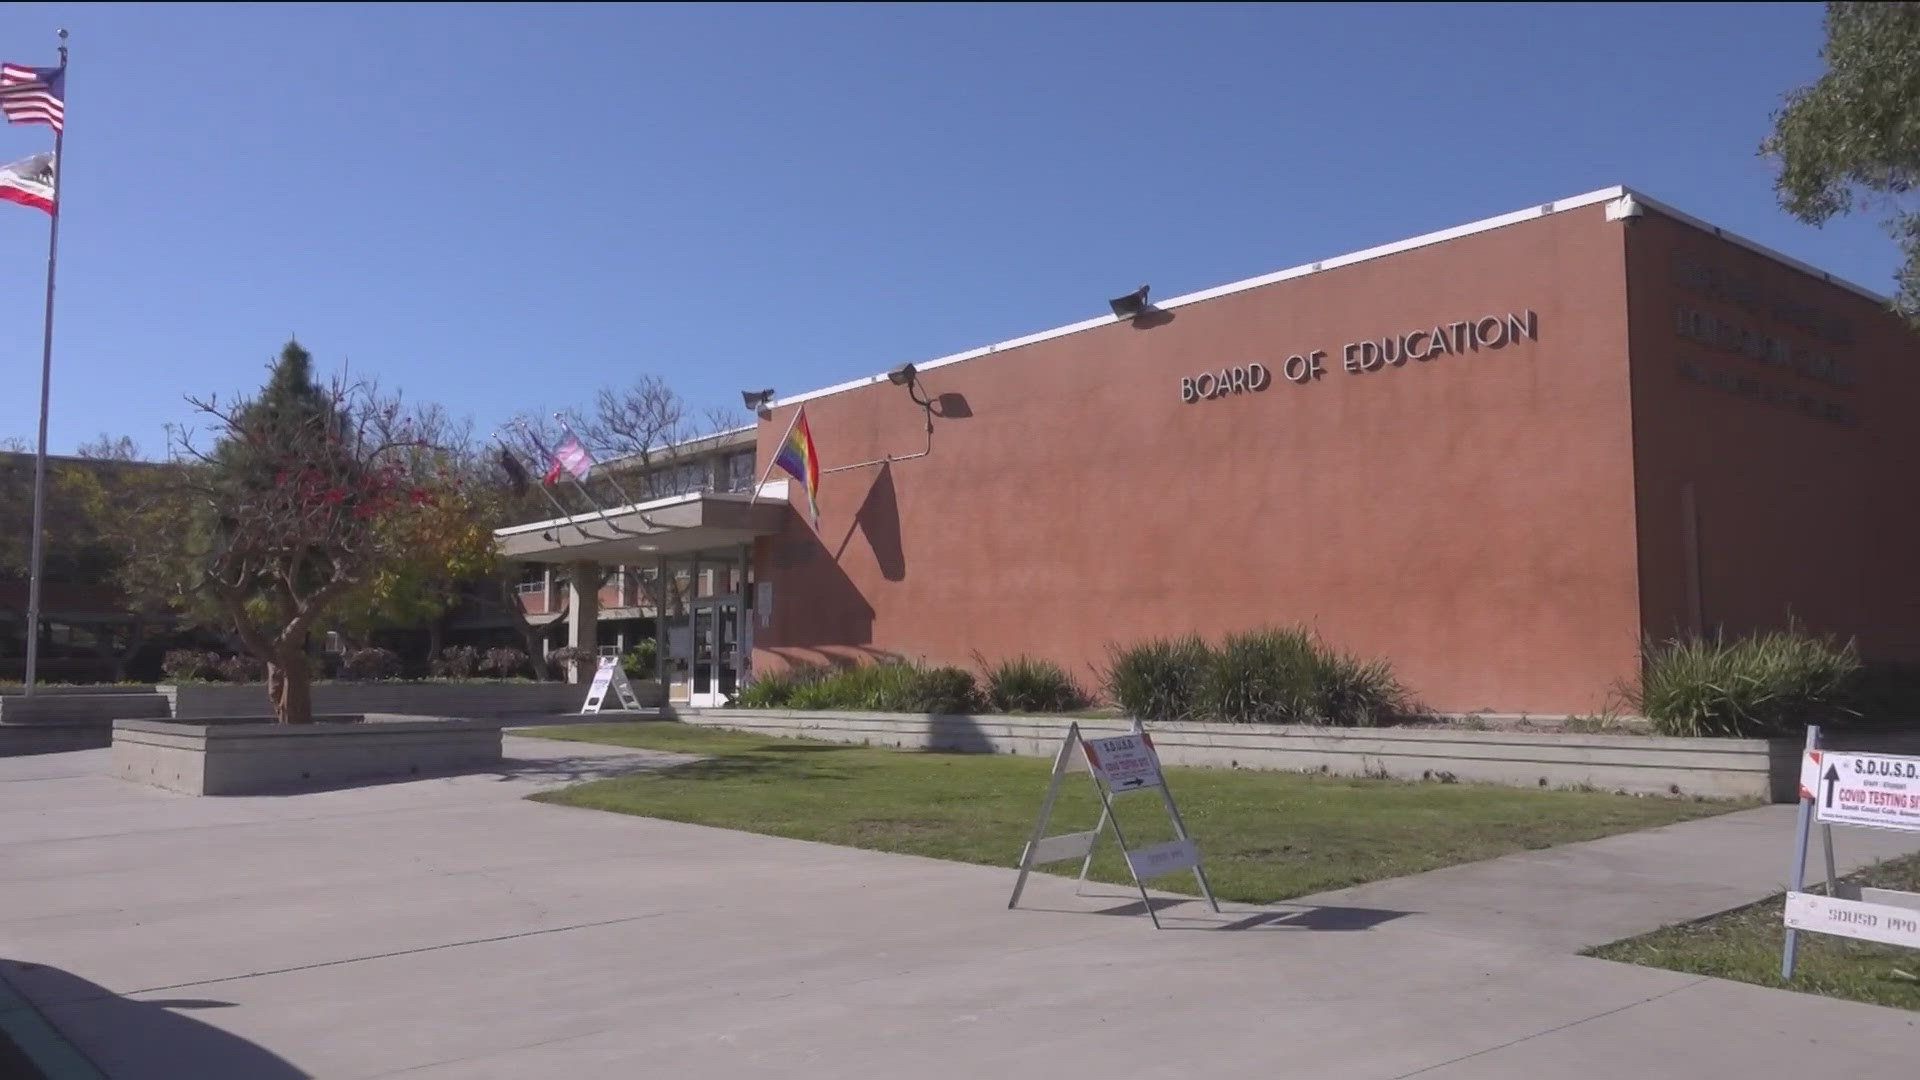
(30, 95)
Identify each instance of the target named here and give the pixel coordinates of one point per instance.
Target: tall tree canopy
(1851, 141)
(308, 492)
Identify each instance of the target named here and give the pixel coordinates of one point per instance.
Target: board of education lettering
(1372, 354)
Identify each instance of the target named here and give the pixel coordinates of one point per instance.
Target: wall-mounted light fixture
(758, 402)
(909, 376)
(1131, 306)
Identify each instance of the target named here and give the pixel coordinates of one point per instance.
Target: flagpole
(46, 379)
(776, 456)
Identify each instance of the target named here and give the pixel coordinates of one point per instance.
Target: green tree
(308, 492)
(1851, 141)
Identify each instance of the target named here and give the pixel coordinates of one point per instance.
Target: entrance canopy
(640, 532)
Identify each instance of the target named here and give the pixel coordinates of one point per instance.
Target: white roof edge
(717, 438)
(1760, 249)
(1485, 224)
(631, 508)
(593, 516)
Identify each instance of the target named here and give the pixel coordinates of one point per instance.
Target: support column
(661, 592)
(583, 616)
(743, 621)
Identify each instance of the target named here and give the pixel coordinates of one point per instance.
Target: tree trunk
(290, 685)
(436, 639)
(536, 642)
(136, 637)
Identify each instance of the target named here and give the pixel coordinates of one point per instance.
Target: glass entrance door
(716, 653)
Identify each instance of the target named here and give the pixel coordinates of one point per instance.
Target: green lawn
(1265, 835)
(1745, 945)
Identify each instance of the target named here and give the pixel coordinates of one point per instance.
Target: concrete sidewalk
(448, 928)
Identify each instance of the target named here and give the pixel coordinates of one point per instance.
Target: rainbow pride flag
(801, 462)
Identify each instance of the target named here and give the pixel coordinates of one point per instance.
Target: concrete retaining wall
(104, 708)
(245, 756)
(69, 720)
(54, 737)
(192, 701)
(1641, 764)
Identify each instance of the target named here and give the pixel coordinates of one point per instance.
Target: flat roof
(1558, 206)
(743, 435)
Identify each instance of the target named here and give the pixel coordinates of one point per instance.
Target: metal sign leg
(1789, 951)
(1833, 879)
(1106, 802)
(1086, 864)
(1060, 761)
(1180, 830)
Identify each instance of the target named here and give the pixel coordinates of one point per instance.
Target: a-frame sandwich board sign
(1121, 765)
(610, 676)
(1858, 788)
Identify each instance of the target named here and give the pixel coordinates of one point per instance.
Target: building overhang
(698, 522)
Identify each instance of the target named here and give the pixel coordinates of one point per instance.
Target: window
(740, 471)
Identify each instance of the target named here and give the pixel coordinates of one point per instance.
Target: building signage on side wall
(1360, 357)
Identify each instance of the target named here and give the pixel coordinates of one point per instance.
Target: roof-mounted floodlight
(1131, 306)
(758, 402)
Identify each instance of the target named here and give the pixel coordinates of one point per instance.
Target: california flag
(29, 182)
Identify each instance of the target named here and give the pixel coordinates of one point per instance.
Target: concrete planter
(193, 701)
(1640, 764)
(253, 755)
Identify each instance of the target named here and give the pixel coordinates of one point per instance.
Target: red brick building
(1498, 455)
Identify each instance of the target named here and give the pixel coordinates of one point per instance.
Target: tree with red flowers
(305, 494)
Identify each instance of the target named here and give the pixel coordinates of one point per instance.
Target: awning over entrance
(642, 532)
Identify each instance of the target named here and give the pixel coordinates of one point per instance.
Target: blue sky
(501, 208)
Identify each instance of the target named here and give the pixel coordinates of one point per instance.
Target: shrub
(1358, 693)
(1772, 683)
(640, 661)
(504, 662)
(1263, 677)
(561, 662)
(775, 689)
(456, 662)
(243, 668)
(1031, 685)
(890, 686)
(1290, 676)
(372, 662)
(1161, 679)
(946, 691)
(191, 665)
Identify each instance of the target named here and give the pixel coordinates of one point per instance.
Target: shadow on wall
(959, 735)
(810, 580)
(878, 519)
(142, 1040)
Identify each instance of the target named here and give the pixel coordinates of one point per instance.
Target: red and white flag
(30, 181)
(573, 458)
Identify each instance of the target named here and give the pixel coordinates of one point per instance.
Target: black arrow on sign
(1832, 778)
(1133, 782)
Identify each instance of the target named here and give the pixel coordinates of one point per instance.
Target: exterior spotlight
(909, 376)
(758, 402)
(1131, 306)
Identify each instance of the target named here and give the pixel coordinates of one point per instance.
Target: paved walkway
(447, 928)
